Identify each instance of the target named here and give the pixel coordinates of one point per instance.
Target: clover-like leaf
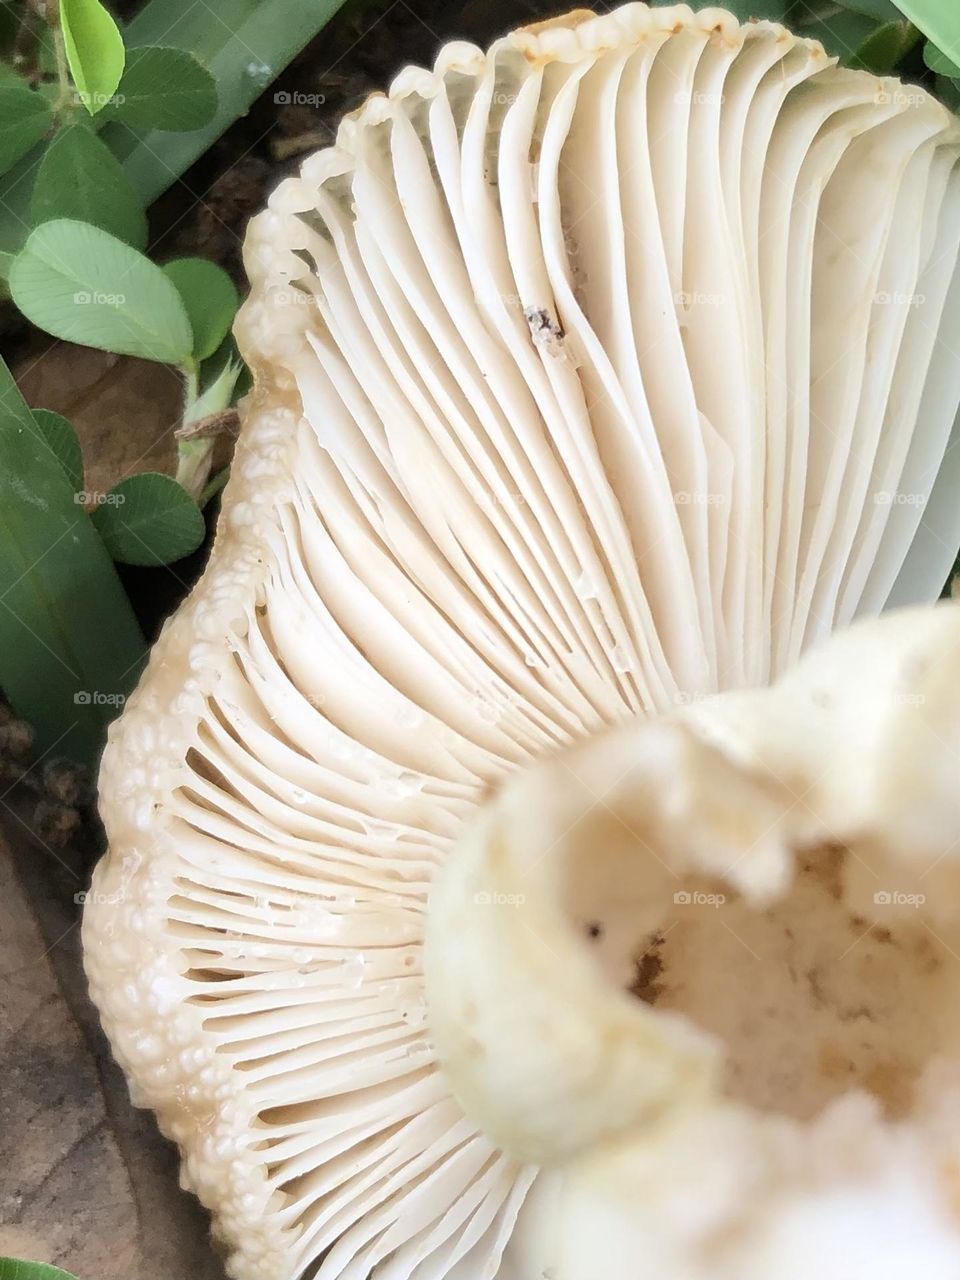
(95, 52)
(83, 284)
(79, 177)
(149, 519)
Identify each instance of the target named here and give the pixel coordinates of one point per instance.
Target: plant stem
(193, 456)
(60, 53)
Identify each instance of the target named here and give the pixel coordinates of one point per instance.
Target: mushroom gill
(595, 374)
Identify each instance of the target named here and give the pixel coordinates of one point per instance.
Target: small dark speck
(595, 930)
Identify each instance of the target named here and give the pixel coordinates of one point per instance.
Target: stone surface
(86, 1182)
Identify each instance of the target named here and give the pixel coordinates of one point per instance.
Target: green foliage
(83, 284)
(939, 62)
(939, 20)
(80, 178)
(25, 116)
(61, 440)
(166, 89)
(94, 49)
(884, 47)
(69, 642)
(149, 519)
(11, 1269)
(244, 44)
(94, 124)
(210, 298)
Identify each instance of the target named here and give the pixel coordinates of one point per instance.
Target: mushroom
(594, 375)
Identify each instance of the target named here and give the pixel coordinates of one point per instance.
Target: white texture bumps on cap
(594, 373)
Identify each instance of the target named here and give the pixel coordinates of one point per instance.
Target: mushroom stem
(533, 924)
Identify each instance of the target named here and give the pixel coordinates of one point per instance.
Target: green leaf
(841, 34)
(70, 648)
(25, 117)
(880, 10)
(11, 1269)
(165, 88)
(247, 46)
(939, 20)
(80, 283)
(938, 61)
(9, 78)
(883, 49)
(61, 440)
(775, 10)
(149, 519)
(218, 392)
(210, 298)
(94, 51)
(948, 91)
(80, 178)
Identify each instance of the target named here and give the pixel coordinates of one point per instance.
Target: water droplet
(584, 586)
(620, 660)
(486, 710)
(352, 971)
(259, 72)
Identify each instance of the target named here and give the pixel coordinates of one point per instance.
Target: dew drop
(585, 586)
(620, 660)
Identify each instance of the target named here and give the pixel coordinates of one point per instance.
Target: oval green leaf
(165, 88)
(61, 439)
(938, 61)
(12, 1269)
(149, 520)
(25, 116)
(95, 51)
(211, 300)
(83, 284)
(884, 48)
(80, 178)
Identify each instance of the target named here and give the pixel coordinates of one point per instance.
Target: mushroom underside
(584, 388)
